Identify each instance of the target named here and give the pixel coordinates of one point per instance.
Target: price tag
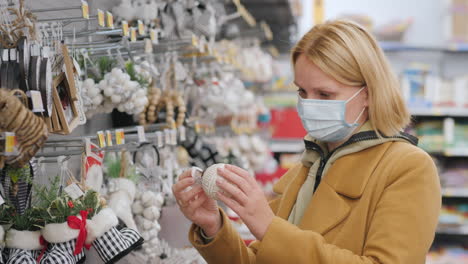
(148, 46)
(74, 191)
(10, 143)
(133, 35)
(5, 55)
(167, 136)
(141, 134)
(182, 134)
(85, 9)
(154, 36)
(159, 139)
(197, 127)
(36, 101)
(202, 46)
(174, 137)
(120, 136)
(109, 138)
(194, 40)
(1, 200)
(101, 18)
(110, 20)
(88, 146)
(124, 28)
(141, 28)
(101, 139)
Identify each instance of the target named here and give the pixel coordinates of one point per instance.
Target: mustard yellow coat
(379, 205)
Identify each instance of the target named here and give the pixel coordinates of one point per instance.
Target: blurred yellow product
(319, 11)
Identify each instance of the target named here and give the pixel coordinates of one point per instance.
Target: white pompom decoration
(151, 213)
(137, 208)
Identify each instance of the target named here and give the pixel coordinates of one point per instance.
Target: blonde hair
(349, 54)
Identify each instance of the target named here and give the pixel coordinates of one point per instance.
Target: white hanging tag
(159, 139)
(141, 134)
(1, 200)
(167, 136)
(36, 101)
(174, 137)
(182, 133)
(13, 55)
(88, 146)
(5, 56)
(45, 52)
(154, 36)
(148, 46)
(180, 71)
(74, 191)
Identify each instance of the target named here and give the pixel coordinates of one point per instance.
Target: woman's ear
(366, 97)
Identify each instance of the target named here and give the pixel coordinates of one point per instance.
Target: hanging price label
(141, 28)
(101, 139)
(141, 134)
(182, 134)
(124, 28)
(202, 46)
(110, 20)
(88, 146)
(194, 40)
(133, 34)
(120, 136)
(109, 138)
(148, 46)
(174, 137)
(85, 9)
(101, 18)
(36, 101)
(154, 36)
(197, 127)
(10, 143)
(74, 191)
(167, 136)
(159, 139)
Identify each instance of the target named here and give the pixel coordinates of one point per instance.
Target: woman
(363, 193)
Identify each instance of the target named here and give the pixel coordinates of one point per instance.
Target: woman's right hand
(196, 205)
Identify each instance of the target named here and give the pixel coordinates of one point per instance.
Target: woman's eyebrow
(320, 88)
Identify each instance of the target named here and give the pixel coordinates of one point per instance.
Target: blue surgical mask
(325, 120)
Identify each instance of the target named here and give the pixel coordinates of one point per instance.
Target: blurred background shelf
(455, 192)
(440, 111)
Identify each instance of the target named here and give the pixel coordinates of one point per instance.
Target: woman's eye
(301, 92)
(324, 95)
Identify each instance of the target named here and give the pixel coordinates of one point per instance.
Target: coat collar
(345, 180)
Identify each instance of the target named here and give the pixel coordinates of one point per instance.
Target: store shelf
(458, 231)
(440, 111)
(398, 46)
(455, 192)
(456, 152)
(287, 145)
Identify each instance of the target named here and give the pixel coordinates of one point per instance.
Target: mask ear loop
(356, 94)
(362, 112)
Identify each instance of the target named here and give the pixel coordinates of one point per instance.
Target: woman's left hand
(245, 197)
